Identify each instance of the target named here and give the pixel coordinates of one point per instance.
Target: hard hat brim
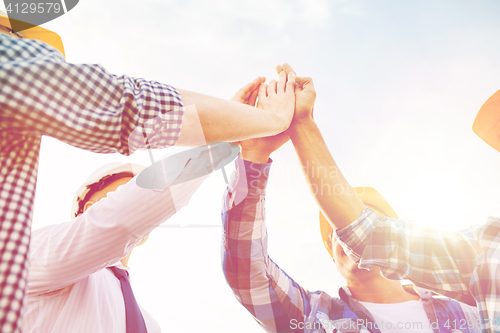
(487, 122)
(36, 32)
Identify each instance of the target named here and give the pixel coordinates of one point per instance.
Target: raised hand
(258, 150)
(305, 94)
(279, 94)
(248, 93)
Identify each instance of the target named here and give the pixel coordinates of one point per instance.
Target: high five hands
(261, 95)
(305, 95)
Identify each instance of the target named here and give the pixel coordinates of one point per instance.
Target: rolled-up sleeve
(440, 260)
(83, 104)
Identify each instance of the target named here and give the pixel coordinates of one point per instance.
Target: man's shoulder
(491, 230)
(446, 307)
(26, 48)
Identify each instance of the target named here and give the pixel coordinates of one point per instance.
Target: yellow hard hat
(35, 32)
(487, 122)
(371, 198)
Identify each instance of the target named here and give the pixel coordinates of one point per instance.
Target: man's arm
(436, 259)
(63, 254)
(87, 107)
(233, 120)
(274, 299)
(357, 226)
(336, 198)
(440, 260)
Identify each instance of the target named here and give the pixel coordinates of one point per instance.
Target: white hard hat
(96, 176)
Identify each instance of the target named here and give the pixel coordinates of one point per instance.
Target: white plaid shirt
(82, 105)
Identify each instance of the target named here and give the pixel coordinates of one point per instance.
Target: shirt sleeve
(61, 255)
(83, 104)
(440, 260)
(267, 292)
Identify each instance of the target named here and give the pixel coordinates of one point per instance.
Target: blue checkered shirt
(82, 105)
(464, 265)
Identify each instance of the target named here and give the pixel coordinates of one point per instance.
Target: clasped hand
(261, 95)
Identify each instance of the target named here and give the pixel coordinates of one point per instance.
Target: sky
(398, 86)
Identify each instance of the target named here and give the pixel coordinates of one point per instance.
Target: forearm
(256, 156)
(336, 198)
(223, 120)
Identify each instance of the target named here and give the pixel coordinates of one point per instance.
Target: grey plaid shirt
(82, 105)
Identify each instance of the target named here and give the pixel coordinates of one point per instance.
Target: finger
(290, 84)
(287, 68)
(239, 96)
(247, 90)
(254, 85)
(271, 88)
(300, 83)
(304, 83)
(280, 87)
(262, 92)
(303, 80)
(279, 69)
(253, 97)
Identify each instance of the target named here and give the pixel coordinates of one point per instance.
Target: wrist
(254, 156)
(299, 124)
(282, 120)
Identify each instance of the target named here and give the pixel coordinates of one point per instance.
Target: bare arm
(223, 120)
(336, 198)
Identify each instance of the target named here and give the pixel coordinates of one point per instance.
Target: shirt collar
(424, 294)
(119, 265)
